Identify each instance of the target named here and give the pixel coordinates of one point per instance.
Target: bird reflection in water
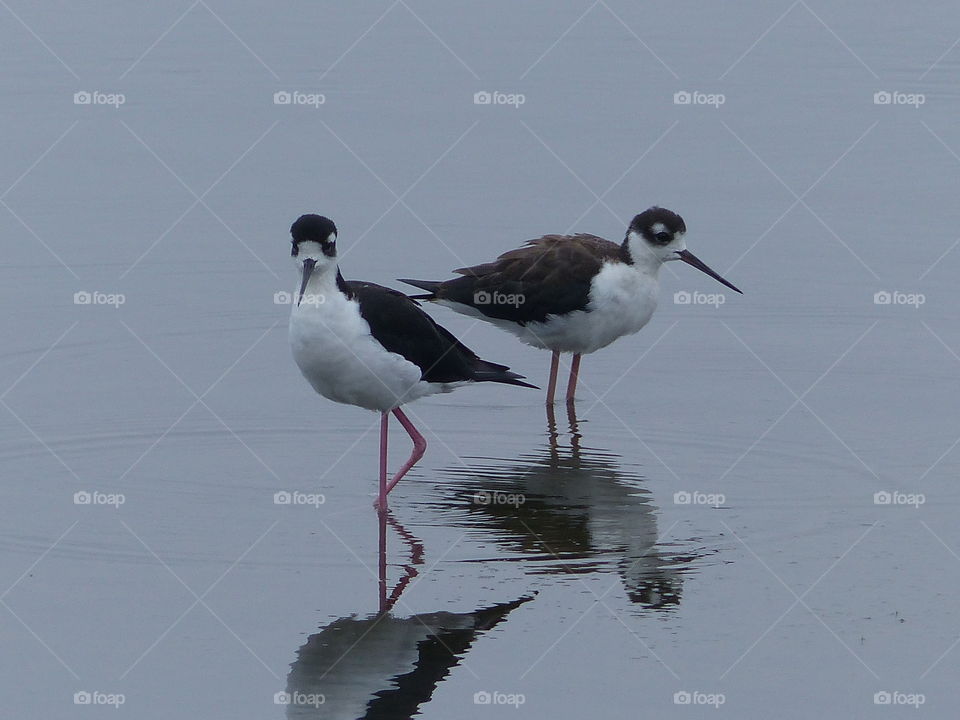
(384, 665)
(572, 509)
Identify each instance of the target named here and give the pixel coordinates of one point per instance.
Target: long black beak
(308, 266)
(691, 259)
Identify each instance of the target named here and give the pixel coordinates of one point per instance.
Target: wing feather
(550, 275)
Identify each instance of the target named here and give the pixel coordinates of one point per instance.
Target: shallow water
(705, 522)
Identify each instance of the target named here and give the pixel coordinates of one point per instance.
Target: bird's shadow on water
(566, 508)
(384, 665)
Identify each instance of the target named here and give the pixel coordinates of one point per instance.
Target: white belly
(334, 350)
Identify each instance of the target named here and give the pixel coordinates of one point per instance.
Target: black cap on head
(646, 223)
(315, 228)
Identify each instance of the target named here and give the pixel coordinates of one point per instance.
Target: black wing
(398, 323)
(548, 276)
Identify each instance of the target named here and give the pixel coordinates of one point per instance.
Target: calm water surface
(703, 534)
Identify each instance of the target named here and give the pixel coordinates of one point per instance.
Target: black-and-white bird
(366, 345)
(572, 293)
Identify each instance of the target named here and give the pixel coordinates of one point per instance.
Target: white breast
(622, 300)
(333, 347)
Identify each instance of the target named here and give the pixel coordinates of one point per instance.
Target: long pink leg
(419, 447)
(382, 497)
(574, 374)
(552, 385)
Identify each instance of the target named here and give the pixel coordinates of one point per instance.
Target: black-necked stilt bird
(370, 346)
(572, 293)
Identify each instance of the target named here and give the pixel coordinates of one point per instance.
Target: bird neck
(637, 254)
(322, 285)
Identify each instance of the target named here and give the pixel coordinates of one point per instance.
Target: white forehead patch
(659, 228)
(332, 238)
(310, 249)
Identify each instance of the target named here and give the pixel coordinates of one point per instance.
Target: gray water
(784, 588)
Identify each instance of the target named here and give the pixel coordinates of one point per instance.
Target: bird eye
(663, 237)
(294, 250)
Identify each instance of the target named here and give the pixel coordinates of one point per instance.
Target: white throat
(645, 260)
(322, 283)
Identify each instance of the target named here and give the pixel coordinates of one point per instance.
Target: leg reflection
(386, 519)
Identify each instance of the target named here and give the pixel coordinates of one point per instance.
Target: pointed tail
(431, 286)
(485, 371)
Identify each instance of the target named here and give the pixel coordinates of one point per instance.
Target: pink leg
(574, 374)
(419, 447)
(382, 497)
(552, 385)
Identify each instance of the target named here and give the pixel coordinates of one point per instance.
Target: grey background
(797, 401)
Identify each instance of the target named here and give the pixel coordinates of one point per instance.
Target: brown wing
(548, 276)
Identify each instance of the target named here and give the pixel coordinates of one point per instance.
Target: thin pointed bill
(691, 259)
(308, 266)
